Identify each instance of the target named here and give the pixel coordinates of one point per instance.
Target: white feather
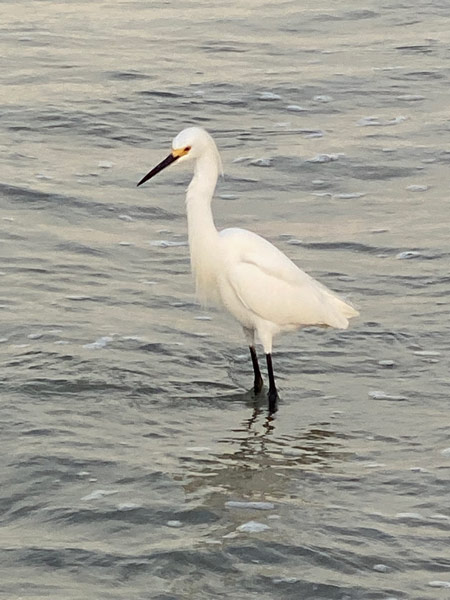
(258, 284)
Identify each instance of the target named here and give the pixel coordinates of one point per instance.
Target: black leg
(258, 379)
(273, 394)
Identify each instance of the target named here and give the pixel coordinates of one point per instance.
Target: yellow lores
(178, 152)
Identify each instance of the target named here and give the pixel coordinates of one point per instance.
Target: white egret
(258, 284)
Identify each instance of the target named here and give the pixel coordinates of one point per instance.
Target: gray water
(131, 446)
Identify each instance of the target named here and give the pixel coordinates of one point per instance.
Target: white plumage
(258, 284)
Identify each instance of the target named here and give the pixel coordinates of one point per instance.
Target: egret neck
(203, 235)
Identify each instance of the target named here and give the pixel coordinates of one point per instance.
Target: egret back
(273, 288)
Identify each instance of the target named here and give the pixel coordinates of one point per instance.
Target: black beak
(162, 165)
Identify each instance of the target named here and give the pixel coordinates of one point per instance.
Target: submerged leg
(257, 386)
(250, 337)
(273, 394)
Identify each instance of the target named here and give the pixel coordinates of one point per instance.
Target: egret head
(189, 144)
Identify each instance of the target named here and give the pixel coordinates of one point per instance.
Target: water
(134, 462)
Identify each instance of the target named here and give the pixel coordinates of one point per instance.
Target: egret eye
(187, 148)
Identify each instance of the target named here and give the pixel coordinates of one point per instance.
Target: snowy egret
(258, 284)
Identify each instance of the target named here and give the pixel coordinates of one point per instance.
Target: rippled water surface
(135, 462)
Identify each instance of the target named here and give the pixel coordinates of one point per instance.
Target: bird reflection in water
(260, 458)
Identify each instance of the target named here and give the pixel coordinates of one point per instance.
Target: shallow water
(131, 447)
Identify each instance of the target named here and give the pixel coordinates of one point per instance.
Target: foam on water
(408, 254)
(295, 108)
(250, 505)
(253, 527)
(380, 395)
(101, 342)
(325, 158)
(98, 494)
(436, 583)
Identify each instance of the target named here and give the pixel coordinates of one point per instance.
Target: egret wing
(269, 284)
